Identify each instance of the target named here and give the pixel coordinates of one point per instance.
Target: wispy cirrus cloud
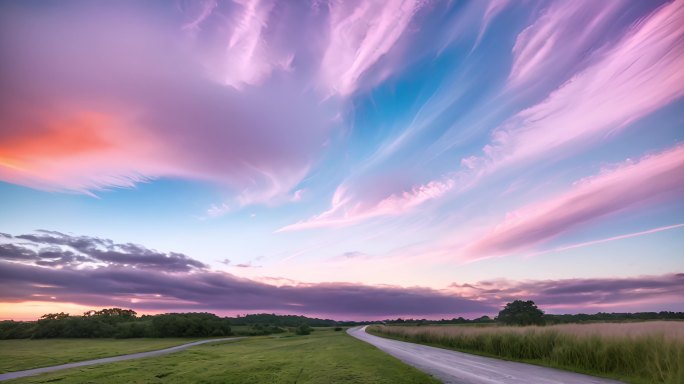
(614, 85)
(339, 215)
(234, 43)
(361, 32)
(630, 185)
(609, 239)
(638, 75)
(560, 39)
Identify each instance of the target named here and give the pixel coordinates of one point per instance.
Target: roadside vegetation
(635, 352)
(325, 356)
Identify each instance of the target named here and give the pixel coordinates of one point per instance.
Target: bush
(303, 329)
(337, 329)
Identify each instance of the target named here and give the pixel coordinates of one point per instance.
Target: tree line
(117, 323)
(125, 323)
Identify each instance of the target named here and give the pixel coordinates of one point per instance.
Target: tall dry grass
(640, 352)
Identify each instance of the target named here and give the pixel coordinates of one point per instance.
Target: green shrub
(303, 329)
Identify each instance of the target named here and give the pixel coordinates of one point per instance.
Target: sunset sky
(342, 159)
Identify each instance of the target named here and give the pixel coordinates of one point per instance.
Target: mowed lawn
(17, 355)
(325, 356)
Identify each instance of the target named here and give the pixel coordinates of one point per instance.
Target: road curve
(462, 368)
(159, 352)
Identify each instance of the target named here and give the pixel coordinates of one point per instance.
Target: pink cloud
(341, 214)
(630, 185)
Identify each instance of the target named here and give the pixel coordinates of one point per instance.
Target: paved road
(37, 371)
(462, 368)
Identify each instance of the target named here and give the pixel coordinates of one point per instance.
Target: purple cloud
(647, 293)
(215, 291)
(160, 285)
(96, 272)
(51, 248)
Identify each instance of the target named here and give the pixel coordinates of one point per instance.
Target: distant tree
(521, 312)
(483, 319)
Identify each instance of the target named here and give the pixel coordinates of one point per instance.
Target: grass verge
(323, 357)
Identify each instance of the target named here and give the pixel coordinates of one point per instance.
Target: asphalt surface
(37, 371)
(462, 368)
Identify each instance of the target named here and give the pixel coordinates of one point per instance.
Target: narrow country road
(37, 371)
(462, 368)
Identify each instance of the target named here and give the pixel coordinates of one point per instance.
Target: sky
(352, 160)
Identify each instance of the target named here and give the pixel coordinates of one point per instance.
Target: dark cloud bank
(644, 293)
(98, 272)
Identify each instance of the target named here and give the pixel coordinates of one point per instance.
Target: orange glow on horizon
(33, 310)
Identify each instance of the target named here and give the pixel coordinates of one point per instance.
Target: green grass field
(17, 355)
(639, 353)
(324, 356)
